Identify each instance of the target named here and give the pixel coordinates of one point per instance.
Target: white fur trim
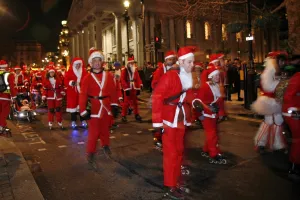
(194, 102)
(114, 104)
(214, 61)
(96, 54)
(186, 56)
(266, 106)
(213, 73)
(170, 56)
(127, 89)
(51, 70)
(83, 113)
(3, 66)
(77, 62)
(157, 125)
(70, 83)
(130, 61)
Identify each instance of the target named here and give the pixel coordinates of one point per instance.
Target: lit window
(224, 32)
(239, 37)
(188, 29)
(207, 30)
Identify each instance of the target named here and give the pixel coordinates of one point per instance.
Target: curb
(22, 183)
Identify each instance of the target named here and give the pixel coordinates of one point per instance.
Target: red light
(156, 39)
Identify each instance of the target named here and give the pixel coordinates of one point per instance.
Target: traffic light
(157, 42)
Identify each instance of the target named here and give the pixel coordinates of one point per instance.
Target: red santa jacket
(11, 91)
(161, 70)
(165, 113)
(36, 85)
(130, 81)
(95, 86)
(21, 79)
(291, 99)
(53, 89)
(76, 76)
(209, 94)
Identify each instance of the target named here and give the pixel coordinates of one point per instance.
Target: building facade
(27, 53)
(101, 24)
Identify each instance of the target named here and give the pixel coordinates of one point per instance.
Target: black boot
(106, 151)
(129, 111)
(92, 161)
(124, 119)
(294, 172)
(138, 118)
(173, 193)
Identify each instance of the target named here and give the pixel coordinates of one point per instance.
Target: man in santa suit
(269, 104)
(170, 60)
(53, 91)
(132, 85)
(36, 87)
(291, 113)
(99, 89)
(210, 95)
(21, 80)
(7, 93)
(171, 113)
(73, 78)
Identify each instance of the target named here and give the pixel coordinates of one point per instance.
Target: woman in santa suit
(72, 80)
(53, 91)
(211, 97)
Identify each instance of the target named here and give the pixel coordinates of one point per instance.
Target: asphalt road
(58, 163)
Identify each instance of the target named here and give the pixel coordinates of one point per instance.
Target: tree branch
(283, 4)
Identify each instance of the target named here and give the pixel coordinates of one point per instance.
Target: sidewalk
(16, 180)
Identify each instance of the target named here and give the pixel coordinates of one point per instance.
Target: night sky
(32, 20)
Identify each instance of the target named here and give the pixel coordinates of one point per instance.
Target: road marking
(62, 146)
(41, 142)
(245, 118)
(112, 137)
(43, 149)
(125, 134)
(151, 129)
(139, 132)
(80, 143)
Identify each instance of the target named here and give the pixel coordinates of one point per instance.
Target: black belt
(98, 97)
(179, 104)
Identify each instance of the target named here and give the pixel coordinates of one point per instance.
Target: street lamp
(127, 18)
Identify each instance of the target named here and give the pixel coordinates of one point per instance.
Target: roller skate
(185, 171)
(50, 124)
(73, 125)
(218, 159)
(5, 132)
(261, 150)
(138, 118)
(294, 173)
(204, 154)
(124, 119)
(129, 111)
(60, 125)
(183, 188)
(106, 151)
(84, 124)
(173, 193)
(114, 126)
(92, 162)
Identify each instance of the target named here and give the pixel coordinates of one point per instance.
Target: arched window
(224, 32)
(207, 30)
(189, 29)
(239, 37)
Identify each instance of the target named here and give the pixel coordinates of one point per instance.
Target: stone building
(27, 53)
(101, 24)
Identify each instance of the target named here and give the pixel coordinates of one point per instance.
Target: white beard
(186, 79)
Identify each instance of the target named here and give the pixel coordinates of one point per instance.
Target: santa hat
(38, 74)
(94, 53)
(274, 54)
(130, 59)
(212, 71)
(76, 61)
(186, 52)
(214, 58)
(198, 64)
(17, 68)
(51, 63)
(51, 69)
(220, 55)
(3, 64)
(170, 54)
(58, 68)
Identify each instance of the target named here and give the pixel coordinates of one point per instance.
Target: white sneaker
(84, 123)
(73, 124)
(59, 124)
(50, 125)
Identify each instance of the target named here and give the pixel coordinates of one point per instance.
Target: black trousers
(74, 116)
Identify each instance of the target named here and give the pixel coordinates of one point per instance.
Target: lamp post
(127, 18)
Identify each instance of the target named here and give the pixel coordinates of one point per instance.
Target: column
(91, 35)
(141, 45)
(72, 47)
(180, 32)
(152, 26)
(118, 36)
(147, 35)
(77, 44)
(81, 50)
(85, 43)
(165, 33)
(99, 29)
(172, 34)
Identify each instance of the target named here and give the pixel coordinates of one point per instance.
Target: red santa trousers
(98, 128)
(130, 100)
(4, 112)
(173, 148)
(294, 126)
(211, 137)
(54, 106)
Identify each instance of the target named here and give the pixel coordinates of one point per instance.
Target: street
(57, 161)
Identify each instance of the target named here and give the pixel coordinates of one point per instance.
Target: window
(189, 29)
(239, 37)
(224, 32)
(207, 31)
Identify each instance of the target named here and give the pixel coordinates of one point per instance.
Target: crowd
(183, 91)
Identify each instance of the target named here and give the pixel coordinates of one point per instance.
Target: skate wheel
(203, 154)
(211, 161)
(224, 162)
(188, 191)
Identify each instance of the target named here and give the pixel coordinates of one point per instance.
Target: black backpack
(3, 86)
